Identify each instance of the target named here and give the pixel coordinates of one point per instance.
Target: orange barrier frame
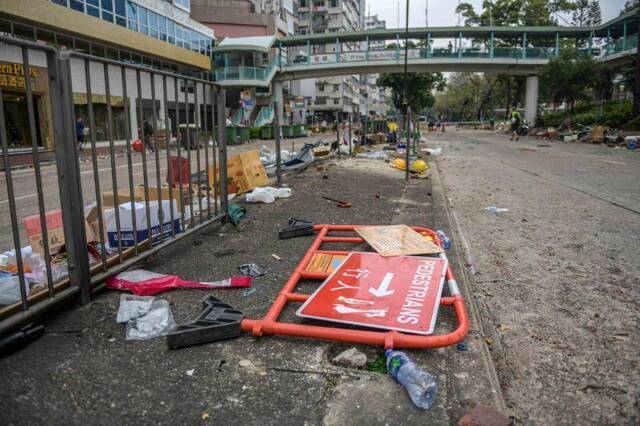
(389, 339)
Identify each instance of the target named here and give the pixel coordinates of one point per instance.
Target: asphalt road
(557, 276)
(24, 181)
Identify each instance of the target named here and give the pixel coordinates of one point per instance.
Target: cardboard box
(164, 193)
(55, 231)
(108, 198)
(244, 172)
(127, 236)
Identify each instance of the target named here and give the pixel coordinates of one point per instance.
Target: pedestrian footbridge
(261, 61)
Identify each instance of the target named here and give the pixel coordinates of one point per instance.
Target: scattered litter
(339, 203)
(133, 307)
(267, 194)
(462, 347)
(251, 270)
(379, 365)
(217, 321)
(235, 212)
(112, 339)
(351, 358)
(296, 228)
(444, 239)
(146, 283)
(205, 416)
(374, 155)
(276, 257)
(420, 385)
(494, 209)
(146, 317)
(528, 150)
(249, 291)
(543, 145)
(10, 289)
(190, 372)
(432, 151)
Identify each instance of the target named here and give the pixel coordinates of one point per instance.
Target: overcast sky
(442, 12)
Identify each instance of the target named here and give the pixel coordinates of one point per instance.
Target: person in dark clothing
(147, 133)
(80, 133)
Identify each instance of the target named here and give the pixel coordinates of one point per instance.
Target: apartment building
(376, 97)
(340, 94)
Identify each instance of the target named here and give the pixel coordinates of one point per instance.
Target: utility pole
(426, 13)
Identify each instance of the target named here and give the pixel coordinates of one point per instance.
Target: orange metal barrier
(388, 339)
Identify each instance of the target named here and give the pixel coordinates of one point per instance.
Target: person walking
(516, 122)
(147, 135)
(80, 133)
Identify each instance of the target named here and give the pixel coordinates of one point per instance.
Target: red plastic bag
(146, 283)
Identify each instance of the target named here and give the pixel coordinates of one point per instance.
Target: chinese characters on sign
(393, 293)
(12, 76)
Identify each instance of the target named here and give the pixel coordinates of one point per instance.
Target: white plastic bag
(10, 289)
(146, 316)
(267, 194)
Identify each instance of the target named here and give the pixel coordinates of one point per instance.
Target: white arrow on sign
(383, 288)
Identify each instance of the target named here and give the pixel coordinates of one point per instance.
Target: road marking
(613, 162)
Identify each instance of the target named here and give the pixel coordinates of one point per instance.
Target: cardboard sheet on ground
(397, 240)
(392, 293)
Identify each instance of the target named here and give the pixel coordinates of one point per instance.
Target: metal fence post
(66, 153)
(222, 151)
(278, 137)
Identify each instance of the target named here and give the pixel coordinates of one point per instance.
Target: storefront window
(16, 118)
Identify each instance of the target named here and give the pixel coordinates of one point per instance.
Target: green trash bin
(287, 131)
(244, 134)
(232, 135)
(266, 132)
(297, 130)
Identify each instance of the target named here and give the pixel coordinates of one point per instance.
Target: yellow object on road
(393, 126)
(399, 163)
(419, 166)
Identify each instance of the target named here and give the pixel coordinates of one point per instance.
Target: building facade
(376, 97)
(156, 34)
(340, 94)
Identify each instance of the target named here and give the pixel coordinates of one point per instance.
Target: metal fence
(163, 175)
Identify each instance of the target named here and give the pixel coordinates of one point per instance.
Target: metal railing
(102, 209)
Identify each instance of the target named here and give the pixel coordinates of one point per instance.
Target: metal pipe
(36, 168)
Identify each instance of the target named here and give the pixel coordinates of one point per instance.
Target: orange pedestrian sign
(393, 293)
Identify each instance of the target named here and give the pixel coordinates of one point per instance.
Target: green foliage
(574, 76)
(470, 97)
(514, 12)
(419, 88)
(614, 114)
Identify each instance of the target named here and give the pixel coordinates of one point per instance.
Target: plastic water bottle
(446, 241)
(420, 385)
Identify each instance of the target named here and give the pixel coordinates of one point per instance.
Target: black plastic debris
(218, 321)
(296, 228)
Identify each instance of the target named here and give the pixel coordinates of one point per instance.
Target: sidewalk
(82, 370)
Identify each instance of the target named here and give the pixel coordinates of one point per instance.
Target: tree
(420, 95)
(574, 76)
(469, 96)
(595, 14)
(514, 12)
(580, 17)
(586, 13)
